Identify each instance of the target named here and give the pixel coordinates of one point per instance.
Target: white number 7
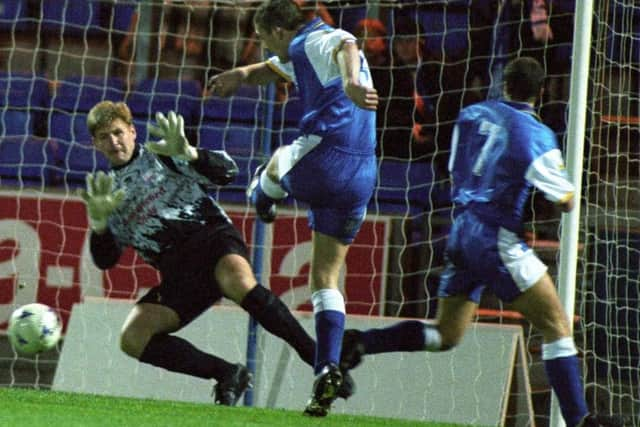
(492, 130)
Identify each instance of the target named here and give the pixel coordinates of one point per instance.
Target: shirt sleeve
(283, 69)
(105, 251)
(548, 174)
(336, 39)
(211, 167)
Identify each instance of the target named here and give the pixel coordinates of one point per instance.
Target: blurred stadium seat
(80, 93)
(235, 139)
(27, 160)
(70, 127)
(71, 101)
(347, 17)
(150, 96)
(76, 159)
(25, 99)
(121, 16)
(446, 31)
(12, 15)
(244, 106)
(403, 187)
(75, 18)
(233, 124)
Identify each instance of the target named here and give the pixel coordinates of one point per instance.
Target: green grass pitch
(35, 408)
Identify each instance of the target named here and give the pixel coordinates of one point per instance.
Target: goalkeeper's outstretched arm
(105, 251)
(215, 165)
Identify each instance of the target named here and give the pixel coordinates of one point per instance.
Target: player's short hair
(278, 13)
(105, 112)
(523, 78)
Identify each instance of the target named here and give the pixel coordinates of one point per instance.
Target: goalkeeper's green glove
(101, 200)
(173, 142)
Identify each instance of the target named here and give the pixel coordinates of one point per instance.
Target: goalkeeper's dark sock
(178, 355)
(276, 318)
(563, 371)
(329, 312)
(410, 335)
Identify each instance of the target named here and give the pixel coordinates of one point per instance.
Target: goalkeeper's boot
(348, 386)
(265, 205)
(594, 420)
(228, 391)
(325, 391)
(352, 349)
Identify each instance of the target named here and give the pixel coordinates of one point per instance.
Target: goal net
(608, 287)
(428, 59)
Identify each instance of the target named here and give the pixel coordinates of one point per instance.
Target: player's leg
(237, 282)
(459, 293)
(327, 259)
(143, 322)
(541, 306)
(337, 186)
(146, 336)
(454, 315)
(265, 191)
(266, 188)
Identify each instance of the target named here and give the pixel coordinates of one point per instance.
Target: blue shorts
(481, 255)
(336, 184)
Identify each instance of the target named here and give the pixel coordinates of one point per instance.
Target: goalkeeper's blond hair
(105, 112)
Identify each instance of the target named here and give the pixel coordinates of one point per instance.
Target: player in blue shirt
(331, 167)
(500, 150)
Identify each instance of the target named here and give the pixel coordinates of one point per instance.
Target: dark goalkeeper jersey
(166, 204)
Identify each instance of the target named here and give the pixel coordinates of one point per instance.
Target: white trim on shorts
(291, 154)
(525, 267)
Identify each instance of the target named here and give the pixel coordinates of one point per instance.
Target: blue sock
(329, 312)
(403, 336)
(563, 372)
(329, 331)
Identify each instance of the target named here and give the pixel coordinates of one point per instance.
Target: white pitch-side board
(484, 381)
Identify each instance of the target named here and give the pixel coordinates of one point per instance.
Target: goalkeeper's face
(116, 141)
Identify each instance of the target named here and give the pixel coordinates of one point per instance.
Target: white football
(34, 328)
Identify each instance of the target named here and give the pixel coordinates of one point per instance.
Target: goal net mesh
(429, 59)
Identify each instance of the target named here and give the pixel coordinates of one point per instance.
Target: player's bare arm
(227, 83)
(348, 58)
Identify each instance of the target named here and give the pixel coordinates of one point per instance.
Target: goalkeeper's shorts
(188, 283)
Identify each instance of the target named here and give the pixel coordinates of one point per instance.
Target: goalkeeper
(154, 200)
(331, 167)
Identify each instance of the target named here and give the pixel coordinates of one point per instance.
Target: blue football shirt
(314, 69)
(499, 151)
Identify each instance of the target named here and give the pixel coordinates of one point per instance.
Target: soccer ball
(34, 328)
